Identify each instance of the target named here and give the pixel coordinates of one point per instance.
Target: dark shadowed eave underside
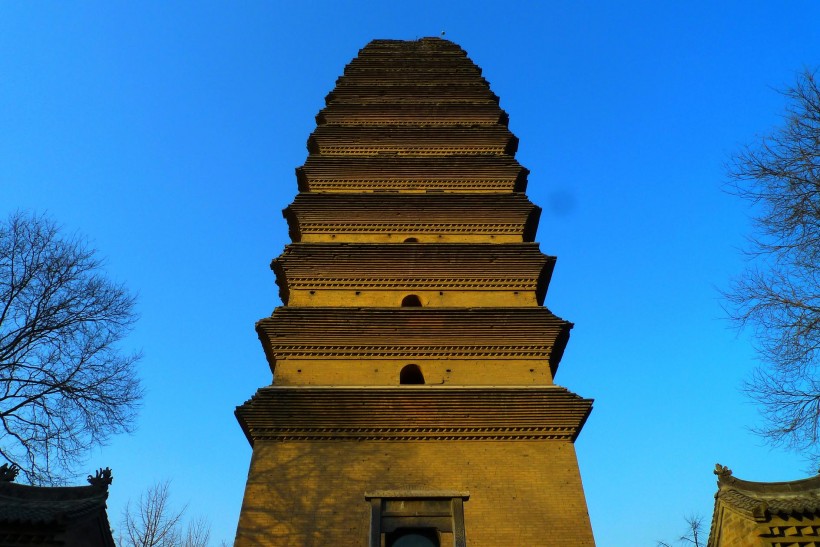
(414, 413)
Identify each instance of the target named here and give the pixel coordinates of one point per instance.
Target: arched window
(411, 240)
(411, 374)
(411, 301)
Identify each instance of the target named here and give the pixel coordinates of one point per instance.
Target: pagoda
(413, 401)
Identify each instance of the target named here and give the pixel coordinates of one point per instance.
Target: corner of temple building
(413, 400)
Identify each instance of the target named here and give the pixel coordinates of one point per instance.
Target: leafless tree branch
(778, 296)
(152, 522)
(65, 386)
(693, 535)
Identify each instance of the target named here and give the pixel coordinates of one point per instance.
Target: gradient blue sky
(167, 132)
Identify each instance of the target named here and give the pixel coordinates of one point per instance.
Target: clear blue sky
(168, 132)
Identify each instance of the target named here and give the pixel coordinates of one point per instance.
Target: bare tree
(154, 523)
(197, 533)
(64, 384)
(693, 535)
(779, 294)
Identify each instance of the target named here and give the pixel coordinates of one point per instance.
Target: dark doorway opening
(413, 537)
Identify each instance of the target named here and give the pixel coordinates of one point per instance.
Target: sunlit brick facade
(413, 360)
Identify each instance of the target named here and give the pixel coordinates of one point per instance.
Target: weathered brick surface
(414, 249)
(305, 494)
(385, 372)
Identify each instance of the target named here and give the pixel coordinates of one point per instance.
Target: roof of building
(28, 510)
(760, 500)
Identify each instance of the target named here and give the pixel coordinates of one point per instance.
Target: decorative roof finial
(722, 471)
(8, 472)
(102, 478)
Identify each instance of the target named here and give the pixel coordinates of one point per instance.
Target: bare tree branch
(693, 534)
(778, 297)
(64, 384)
(154, 523)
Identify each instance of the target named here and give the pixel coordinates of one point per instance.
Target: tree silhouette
(778, 296)
(64, 384)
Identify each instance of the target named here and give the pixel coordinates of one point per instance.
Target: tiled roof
(761, 499)
(41, 504)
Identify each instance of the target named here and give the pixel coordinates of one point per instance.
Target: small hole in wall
(411, 301)
(411, 240)
(358, 293)
(532, 370)
(312, 292)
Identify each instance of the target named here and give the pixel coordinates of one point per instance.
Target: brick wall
(311, 494)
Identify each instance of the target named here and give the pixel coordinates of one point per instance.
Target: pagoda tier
(332, 140)
(419, 93)
(428, 413)
(376, 332)
(428, 218)
(452, 173)
(315, 274)
(412, 114)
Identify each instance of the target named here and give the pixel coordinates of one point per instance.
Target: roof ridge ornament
(102, 478)
(8, 472)
(722, 471)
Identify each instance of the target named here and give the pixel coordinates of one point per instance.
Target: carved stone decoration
(102, 478)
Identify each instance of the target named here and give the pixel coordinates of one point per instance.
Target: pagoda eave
(433, 413)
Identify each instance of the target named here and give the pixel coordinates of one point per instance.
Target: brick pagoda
(413, 401)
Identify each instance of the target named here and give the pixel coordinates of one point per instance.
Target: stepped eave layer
(439, 213)
(369, 333)
(408, 173)
(427, 413)
(437, 266)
